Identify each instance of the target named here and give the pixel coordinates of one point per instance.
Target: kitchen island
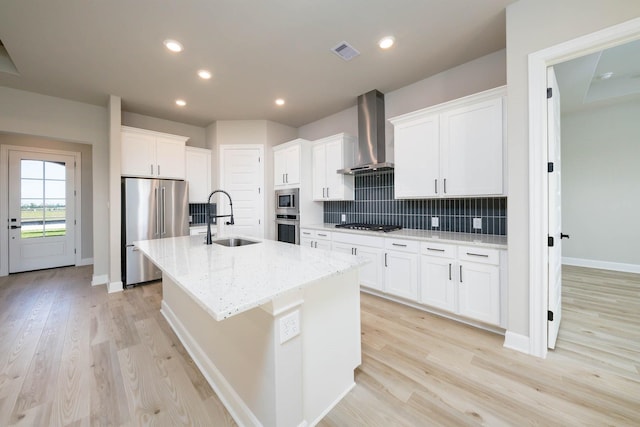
(274, 327)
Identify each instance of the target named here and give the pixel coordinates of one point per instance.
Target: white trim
(4, 205)
(85, 261)
(113, 287)
(330, 407)
(100, 279)
(538, 198)
(602, 265)
(239, 411)
(516, 342)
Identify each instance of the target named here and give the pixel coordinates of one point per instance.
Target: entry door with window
(41, 211)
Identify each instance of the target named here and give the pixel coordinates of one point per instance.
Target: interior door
(41, 210)
(242, 178)
(555, 217)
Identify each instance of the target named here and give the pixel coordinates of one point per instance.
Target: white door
(371, 273)
(41, 210)
(319, 171)
(555, 224)
(401, 274)
(242, 177)
(436, 282)
(479, 291)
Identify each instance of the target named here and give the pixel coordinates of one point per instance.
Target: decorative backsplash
(375, 204)
(198, 213)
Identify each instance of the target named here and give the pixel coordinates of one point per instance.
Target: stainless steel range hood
(370, 153)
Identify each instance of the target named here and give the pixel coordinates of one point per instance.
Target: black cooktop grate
(369, 227)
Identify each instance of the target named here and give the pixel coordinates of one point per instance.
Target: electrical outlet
(477, 223)
(343, 217)
(435, 221)
(289, 326)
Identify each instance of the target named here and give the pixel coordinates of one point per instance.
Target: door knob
(13, 227)
(564, 236)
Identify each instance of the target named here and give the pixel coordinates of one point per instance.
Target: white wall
(600, 180)
(28, 113)
(196, 134)
(533, 25)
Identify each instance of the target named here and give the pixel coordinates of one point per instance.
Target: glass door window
(42, 199)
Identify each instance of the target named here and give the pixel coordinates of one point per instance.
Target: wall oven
(288, 228)
(287, 201)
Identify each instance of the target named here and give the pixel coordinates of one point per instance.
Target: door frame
(4, 202)
(538, 185)
(221, 151)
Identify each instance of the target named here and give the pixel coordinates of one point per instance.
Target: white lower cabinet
(401, 268)
(315, 239)
(368, 247)
(463, 280)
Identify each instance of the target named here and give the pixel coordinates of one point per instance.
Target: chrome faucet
(230, 222)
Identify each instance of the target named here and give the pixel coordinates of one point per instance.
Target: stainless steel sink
(234, 241)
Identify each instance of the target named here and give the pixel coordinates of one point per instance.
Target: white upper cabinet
(286, 165)
(454, 149)
(328, 155)
(198, 173)
(152, 154)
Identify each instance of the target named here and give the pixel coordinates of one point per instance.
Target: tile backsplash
(375, 204)
(198, 213)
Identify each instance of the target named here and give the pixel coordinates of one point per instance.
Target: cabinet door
(319, 171)
(292, 162)
(279, 167)
(472, 141)
(307, 241)
(437, 286)
(343, 248)
(138, 154)
(323, 244)
(371, 273)
(198, 174)
(401, 274)
(333, 162)
(170, 158)
(417, 157)
(479, 291)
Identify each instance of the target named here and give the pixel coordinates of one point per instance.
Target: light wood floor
(70, 354)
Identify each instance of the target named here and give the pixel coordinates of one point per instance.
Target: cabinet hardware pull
(151, 169)
(398, 244)
(158, 170)
(435, 250)
(355, 251)
(323, 235)
(460, 274)
(435, 185)
(480, 255)
(449, 271)
(385, 260)
(327, 192)
(286, 175)
(445, 186)
(283, 178)
(323, 188)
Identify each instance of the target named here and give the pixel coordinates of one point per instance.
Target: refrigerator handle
(164, 207)
(157, 212)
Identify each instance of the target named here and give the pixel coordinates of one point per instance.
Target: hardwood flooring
(70, 354)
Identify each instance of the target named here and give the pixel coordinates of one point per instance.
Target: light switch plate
(435, 221)
(343, 217)
(477, 223)
(289, 326)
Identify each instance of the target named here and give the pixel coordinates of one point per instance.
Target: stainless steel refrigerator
(151, 209)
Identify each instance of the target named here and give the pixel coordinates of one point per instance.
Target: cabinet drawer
(323, 235)
(315, 234)
(481, 255)
(401, 245)
(358, 239)
(438, 250)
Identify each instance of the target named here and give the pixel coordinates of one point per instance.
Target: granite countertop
(471, 239)
(227, 281)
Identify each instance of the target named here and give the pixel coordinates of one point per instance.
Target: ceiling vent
(345, 51)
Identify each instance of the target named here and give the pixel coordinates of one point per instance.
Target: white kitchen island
(274, 327)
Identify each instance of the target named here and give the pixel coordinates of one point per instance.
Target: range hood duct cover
(370, 154)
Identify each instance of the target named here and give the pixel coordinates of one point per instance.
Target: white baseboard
(239, 411)
(99, 279)
(114, 287)
(85, 261)
(516, 342)
(603, 265)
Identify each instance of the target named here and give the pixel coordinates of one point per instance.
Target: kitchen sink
(234, 241)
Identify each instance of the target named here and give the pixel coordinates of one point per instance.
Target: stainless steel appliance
(288, 228)
(287, 201)
(151, 209)
(369, 227)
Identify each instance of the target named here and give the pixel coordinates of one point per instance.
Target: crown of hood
(370, 152)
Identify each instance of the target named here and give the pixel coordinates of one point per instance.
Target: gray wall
(600, 179)
(196, 134)
(86, 184)
(533, 25)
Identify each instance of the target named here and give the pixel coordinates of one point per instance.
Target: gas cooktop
(369, 227)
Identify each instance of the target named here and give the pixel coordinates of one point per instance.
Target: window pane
(54, 189)
(31, 169)
(54, 170)
(32, 218)
(55, 203)
(31, 189)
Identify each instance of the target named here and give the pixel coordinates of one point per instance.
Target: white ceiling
(582, 86)
(258, 51)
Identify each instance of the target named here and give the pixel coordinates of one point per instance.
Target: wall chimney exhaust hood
(370, 153)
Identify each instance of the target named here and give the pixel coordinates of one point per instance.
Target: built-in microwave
(287, 201)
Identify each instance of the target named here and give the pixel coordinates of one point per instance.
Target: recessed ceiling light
(280, 101)
(181, 102)
(386, 42)
(204, 74)
(173, 46)
(605, 76)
